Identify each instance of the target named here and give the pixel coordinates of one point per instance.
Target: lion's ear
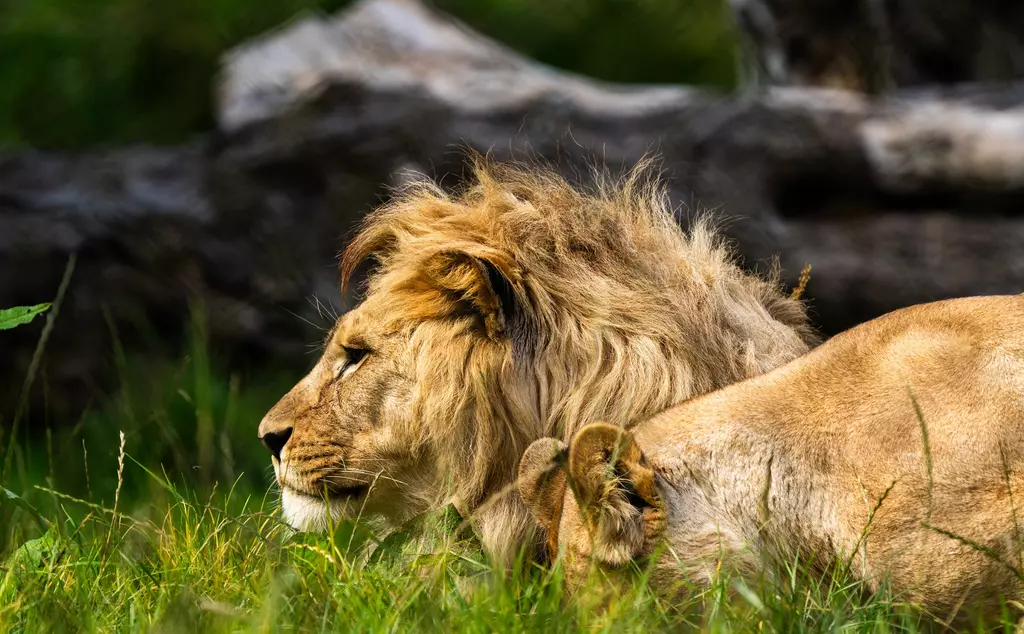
(616, 492)
(541, 481)
(483, 281)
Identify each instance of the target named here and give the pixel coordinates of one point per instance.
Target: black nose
(276, 440)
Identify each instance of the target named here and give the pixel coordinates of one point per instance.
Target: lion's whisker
(318, 327)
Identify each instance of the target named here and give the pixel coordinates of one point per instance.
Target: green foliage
(20, 315)
(636, 41)
(81, 72)
(39, 556)
(75, 73)
(11, 499)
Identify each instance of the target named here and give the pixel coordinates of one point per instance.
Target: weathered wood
(896, 201)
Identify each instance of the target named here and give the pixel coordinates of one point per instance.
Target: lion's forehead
(385, 311)
(349, 326)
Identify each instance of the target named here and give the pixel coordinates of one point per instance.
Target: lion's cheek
(382, 450)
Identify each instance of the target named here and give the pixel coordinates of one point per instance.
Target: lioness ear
(541, 481)
(616, 491)
(484, 282)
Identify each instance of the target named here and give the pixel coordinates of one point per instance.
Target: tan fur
(519, 308)
(795, 462)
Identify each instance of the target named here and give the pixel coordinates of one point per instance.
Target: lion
(895, 448)
(516, 308)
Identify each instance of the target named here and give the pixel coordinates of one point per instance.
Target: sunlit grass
(226, 564)
(192, 566)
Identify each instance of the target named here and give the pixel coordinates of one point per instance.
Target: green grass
(177, 561)
(177, 530)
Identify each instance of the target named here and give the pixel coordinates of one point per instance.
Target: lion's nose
(276, 440)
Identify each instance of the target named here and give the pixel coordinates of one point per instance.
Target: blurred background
(80, 74)
(191, 169)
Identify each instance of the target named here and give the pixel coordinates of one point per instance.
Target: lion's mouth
(330, 494)
(356, 491)
(316, 513)
(336, 488)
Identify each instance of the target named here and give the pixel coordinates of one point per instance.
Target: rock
(896, 201)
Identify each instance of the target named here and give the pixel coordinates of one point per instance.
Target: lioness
(519, 308)
(893, 447)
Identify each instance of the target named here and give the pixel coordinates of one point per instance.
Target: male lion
(518, 309)
(894, 448)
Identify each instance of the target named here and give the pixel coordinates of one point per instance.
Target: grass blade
(20, 315)
(9, 497)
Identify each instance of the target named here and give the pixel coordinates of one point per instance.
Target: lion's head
(519, 308)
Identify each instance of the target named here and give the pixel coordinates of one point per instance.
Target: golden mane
(618, 313)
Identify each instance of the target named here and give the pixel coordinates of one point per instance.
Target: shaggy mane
(628, 314)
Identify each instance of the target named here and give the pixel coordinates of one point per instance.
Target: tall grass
(174, 561)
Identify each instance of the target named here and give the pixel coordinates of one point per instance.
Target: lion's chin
(314, 514)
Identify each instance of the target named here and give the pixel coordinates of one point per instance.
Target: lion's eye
(353, 357)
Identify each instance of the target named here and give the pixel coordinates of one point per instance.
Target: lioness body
(826, 460)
